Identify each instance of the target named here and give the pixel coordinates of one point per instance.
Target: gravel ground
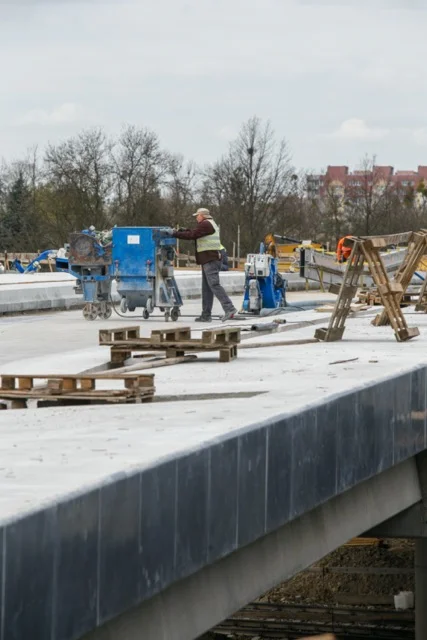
(322, 588)
(313, 588)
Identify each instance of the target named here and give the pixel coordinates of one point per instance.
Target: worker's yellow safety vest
(210, 243)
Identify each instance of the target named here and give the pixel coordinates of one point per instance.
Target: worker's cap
(202, 212)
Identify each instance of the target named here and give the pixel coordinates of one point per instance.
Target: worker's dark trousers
(211, 287)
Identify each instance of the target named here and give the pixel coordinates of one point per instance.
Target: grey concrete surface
(104, 508)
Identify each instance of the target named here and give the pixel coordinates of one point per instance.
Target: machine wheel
(123, 305)
(145, 314)
(175, 313)
(149, 305)
(167, 315)
(106, 312)
(90, 311)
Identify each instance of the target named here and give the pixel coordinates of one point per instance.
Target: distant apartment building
(340, 182)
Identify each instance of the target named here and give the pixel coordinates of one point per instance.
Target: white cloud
(227, 133)
(64, 114)
(420, 136)
(357, 129)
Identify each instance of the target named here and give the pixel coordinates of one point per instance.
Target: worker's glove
(167, 233)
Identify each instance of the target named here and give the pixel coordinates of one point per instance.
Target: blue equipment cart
(140, 259)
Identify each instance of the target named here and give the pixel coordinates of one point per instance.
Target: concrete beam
(412, 522)
(192, 606)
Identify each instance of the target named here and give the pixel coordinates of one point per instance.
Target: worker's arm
(204, 228)
(339, 248)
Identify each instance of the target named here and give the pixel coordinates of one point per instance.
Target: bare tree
(247, 186)
(368, 198)
(139, 167)
(179, 190)
(77, 183)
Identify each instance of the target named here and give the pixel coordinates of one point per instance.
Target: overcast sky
(337, 79)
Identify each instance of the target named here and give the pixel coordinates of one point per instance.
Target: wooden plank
(75, 376)
(107, 394)
(380, 242)
(163, 362)
(277, 343)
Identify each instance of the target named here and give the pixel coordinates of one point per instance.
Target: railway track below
(289, 622)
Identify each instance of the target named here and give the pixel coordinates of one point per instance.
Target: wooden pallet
(368, 249)
(175, 342)
(75, 389)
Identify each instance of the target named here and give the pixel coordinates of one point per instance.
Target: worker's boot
(229, 315)
(204, 318)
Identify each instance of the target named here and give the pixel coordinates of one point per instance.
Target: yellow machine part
(286, 253)
(363, 542)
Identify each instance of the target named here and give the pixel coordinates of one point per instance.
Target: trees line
(91, 179)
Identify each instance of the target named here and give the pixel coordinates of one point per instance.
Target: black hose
(121, 315)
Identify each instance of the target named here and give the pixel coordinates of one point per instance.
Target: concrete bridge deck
(103, 508)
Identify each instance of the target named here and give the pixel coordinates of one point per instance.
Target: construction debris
(277, 343)
(154, 364)
(343, 361)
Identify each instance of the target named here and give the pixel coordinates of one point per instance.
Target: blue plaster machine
(139, 259)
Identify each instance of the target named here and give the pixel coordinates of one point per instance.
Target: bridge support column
(420, 589)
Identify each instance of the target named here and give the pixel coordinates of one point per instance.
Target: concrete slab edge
(74, 565)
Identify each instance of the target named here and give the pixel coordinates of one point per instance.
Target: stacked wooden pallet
(371, 297)
(74, 389)
(174, 342)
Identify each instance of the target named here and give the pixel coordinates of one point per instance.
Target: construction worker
(344, 249)
(208, 256)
